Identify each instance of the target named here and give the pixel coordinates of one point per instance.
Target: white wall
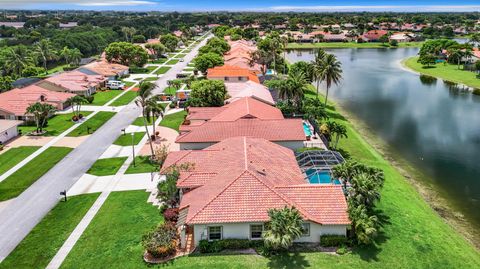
(9, 134)
(242, 231)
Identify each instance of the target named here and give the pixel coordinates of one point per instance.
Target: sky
(248, 5)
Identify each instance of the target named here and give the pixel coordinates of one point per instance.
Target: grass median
(19, 181)
(126, 139)
(107, 166)
(92, 124)
(56, 125)
(13, 156)
(125, 99)
(162, 70)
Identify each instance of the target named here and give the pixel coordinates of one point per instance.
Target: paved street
(23, 213)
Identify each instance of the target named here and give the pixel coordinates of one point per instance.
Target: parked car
(181, 60)
(115, 85)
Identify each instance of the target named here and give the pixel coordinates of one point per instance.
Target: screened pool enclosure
(317, 165)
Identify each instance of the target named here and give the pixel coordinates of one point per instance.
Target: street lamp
(133, 149)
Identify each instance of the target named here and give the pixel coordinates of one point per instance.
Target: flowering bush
(171, 214)
(162, 241)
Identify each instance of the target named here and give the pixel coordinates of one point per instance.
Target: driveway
(20, 216)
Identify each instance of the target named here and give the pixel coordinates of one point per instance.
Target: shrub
(90, 99)
(171, 214)
(162, 208)
(172, 105)
(75, 118)
(332, 240)
(206, 246)
(162, 241)
(341, 250)
(476, 91)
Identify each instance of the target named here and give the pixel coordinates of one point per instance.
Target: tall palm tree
(331, 72)
(76, 102)
(17, 59)
(75, 55)
(40, 112)
(294, 87)
(154, 110)
(364, 190)
(317, 68)
(339, 132)
(284, 227)
(65, 54)
(143, 95)
(45, 52)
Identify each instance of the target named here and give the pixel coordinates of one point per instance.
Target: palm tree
(65, 54)
(154, 110)
(317, 67)
(456, 55)
(75, 55)
(45, 52)
(17, 59)
(76, 102)
(284, 227)
(143, 95)
(364, 225)
(40, 112)
(294, 87)
(128, 32)
(339, 132)
(364, 190)
(331, 72)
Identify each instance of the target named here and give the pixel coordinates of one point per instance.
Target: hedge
(332, 240)
(206, 246)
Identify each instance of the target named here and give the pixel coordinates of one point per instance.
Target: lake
(433, 125)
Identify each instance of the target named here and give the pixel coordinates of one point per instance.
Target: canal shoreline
(436, 198)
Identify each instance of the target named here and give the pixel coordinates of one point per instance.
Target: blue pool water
(306, 128)
(321, 177)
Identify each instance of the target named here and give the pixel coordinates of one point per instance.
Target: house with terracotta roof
(249, 88)
(231, 185)
(73, 82)
(14, 103)
(229, 73)
(8, 130)
(247, 116)
(402, 37)
(374, 35)
(109, 70)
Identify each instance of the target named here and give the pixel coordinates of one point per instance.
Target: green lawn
(92, 124)
(19, 181)
(13, 156)
(139, 121)
(151, 79)
(113, 238)
(102, 97)
(191, 64)
(172, 62)
(162, 70)
(126, 139)
(447, 71)
(128, 84)
(180, 55)
(42, 243)
(174, 120)
(170, 90)
(188, 69)
(106, 167)
(125, 99)
(343, 45)
(56, 125)
(142, 165)
(159, 61)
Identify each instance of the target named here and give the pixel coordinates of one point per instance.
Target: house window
(256, 231)
(214, 232)
(305, 229)
(240, 78)
(226, 78)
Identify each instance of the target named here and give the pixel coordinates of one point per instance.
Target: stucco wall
(288, 144)
(9, 134)
(242, 231)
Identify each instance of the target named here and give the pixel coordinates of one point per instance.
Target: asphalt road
(28, 209)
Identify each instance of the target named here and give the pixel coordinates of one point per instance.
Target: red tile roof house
(249, 88)
(245, 117)
(232, 185)
(374, 35)
(74, 82)
(14, 103)
(229, 73)
(109, 70)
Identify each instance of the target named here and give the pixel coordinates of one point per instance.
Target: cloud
(411, 8)
(91, 3)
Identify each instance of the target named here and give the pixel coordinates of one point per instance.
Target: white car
(115, 85)
(181, 60)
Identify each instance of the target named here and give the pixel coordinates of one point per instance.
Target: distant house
(230, 73)
(109, 70)
(16, 25)
(245, 117)
(8, 130)
(402, 37)
(68, 25)
(374, 35)
(74, 82)
(233, 184)
(252, 89)
(14, 103)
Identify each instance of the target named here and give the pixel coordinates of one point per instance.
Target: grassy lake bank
(349, 45)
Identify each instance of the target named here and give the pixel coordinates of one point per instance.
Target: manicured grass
(172, 62)
(159, 61)
(125, 99)
(102, 97)
(446, 71)
(126, 139)
(139, 121)
(13, 156)
(56, 125)
(128, 84)
(191, 64)
(162, 70)
(180, 55)
(106, 167)
(174, 120)
(42, 243)
(189, 69)
(344, 45)
(142, 165)
(170, 90)
(93, 123)
(151, 79)
(113, 238)
(19, 181)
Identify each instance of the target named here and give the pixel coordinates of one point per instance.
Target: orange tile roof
(105, 68)
(231, 71)
(76, 81)
(17, 100)
(231, 177)
(238, 90)
(203, 113)
(248, 107)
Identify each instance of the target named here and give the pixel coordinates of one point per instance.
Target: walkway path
(24, 212)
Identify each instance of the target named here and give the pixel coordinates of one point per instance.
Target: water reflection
(436, 126)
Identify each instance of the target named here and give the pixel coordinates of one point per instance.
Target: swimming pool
(320, 177)
(306, 129)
